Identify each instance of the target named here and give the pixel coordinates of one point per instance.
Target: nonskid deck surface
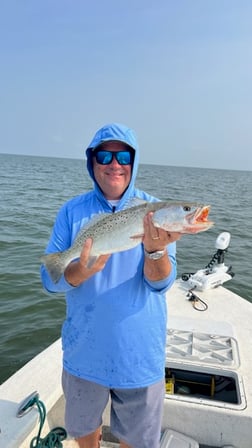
(202, 347)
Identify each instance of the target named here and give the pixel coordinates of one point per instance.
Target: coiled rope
(55, 437)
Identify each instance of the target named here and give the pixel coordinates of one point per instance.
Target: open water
(33, 188)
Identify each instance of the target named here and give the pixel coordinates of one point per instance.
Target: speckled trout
(116, 232)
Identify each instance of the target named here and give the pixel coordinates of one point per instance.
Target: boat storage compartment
(202, 366)
(212, 385)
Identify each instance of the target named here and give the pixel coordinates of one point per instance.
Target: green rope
(53, 438)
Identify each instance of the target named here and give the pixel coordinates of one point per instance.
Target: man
(115, 329)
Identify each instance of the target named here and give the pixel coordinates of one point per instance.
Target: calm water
(33, 189)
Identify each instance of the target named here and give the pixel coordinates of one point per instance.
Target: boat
(208, 393)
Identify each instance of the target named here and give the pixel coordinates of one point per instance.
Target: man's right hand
(82, 269)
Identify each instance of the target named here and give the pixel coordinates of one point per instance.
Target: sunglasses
(106, 157)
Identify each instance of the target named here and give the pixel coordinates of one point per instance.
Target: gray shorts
(136, 414)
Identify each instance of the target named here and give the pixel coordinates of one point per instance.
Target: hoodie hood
(114, 132)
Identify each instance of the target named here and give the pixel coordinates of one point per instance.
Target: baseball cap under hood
(114, 132)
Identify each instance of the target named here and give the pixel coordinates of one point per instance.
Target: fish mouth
(201, 216)
(198, 220)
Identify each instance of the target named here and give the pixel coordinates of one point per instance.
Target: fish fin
(55, 265)
(95, 219)
(134, 202)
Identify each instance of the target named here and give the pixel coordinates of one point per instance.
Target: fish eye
(187, 208)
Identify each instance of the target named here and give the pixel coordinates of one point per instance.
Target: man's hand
(157, 239)
(81, 270)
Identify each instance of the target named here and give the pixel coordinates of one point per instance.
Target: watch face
(154, 255)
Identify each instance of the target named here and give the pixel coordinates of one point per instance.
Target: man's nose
(114, 161)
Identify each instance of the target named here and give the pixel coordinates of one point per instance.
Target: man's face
(113, 179)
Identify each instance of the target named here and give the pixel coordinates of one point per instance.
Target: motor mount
(216, 272)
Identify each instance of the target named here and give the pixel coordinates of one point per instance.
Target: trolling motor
(216, 272)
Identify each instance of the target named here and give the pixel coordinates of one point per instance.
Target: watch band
(154, 255)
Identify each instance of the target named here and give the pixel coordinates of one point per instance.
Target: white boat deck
(216, 340)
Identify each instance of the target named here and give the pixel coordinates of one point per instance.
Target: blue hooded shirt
(114, 333)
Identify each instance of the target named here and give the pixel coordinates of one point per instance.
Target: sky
(179, 72)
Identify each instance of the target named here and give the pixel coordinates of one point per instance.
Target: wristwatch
(154, 255)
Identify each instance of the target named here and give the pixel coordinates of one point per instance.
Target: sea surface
(33, 188)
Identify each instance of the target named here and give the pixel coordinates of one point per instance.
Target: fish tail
(55, 265)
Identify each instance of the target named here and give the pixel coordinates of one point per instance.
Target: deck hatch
(201, 368)
(202, 348)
